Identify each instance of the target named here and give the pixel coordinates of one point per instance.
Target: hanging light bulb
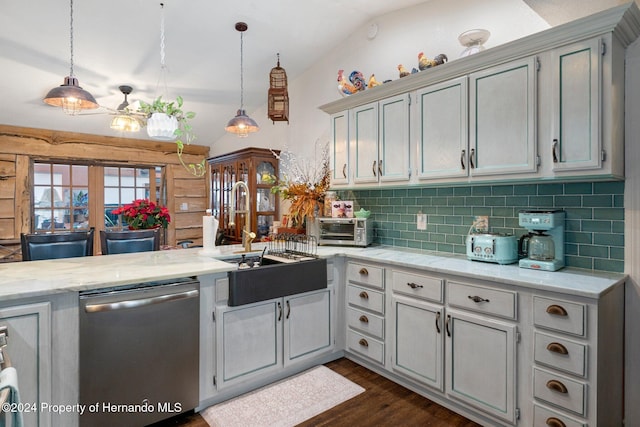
(70, 96)
(241, 124)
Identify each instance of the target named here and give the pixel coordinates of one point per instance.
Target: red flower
(142, 213)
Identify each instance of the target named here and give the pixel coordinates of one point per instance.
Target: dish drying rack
(293, 246)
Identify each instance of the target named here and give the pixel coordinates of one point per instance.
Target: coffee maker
(543, 247)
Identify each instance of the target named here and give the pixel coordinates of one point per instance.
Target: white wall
(432, 27)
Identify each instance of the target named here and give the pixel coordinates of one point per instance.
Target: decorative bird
(373, 82)
(414, 70)
(344, 87)
(403, 71)
(357, 79)
(424, 62)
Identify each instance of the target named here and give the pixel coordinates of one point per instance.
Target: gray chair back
(39, 246)
(129, 241)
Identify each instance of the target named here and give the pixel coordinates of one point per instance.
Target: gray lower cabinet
(481, 363)
(418, 341)
(264, 337)
(29, 349)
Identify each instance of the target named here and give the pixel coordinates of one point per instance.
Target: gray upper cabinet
(339, 150)
(502, 119)
(576, 81)
(442, 130)
(380, 136)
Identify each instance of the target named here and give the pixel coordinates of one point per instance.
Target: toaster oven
(342, 231)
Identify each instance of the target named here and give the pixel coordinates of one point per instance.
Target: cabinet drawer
(558, 315)
(560, 353)
(543, 417)
(417, 285)
(365, 274)
(366, 346)
(365, 322)
(484, 300)
(560, 391)
(365, 298)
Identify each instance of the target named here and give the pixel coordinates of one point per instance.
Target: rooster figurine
(344, 87)
(373, 82)
(357, 79)
(424, 62)
(403, 71)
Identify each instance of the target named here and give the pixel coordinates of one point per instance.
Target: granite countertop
(36, 278)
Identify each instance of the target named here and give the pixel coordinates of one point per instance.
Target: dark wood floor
(384, 403)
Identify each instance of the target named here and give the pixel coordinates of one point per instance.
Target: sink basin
(274, 279)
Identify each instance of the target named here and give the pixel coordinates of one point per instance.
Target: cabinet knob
(364, 272)
(364, 295)
(555, 422)
(414, 285)
(363, 342)
(556, 347)
(556, 385)
(556, 310)
(364, 319)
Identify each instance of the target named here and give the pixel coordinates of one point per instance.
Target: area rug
(285, 403)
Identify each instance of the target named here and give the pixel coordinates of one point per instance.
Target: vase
(162, 127)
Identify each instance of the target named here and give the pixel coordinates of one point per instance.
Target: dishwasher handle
(135, 303)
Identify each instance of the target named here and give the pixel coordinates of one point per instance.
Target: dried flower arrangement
(304, 183)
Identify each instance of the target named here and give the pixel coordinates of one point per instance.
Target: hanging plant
(183, 130)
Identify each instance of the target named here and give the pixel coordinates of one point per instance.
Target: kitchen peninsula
(422, 319)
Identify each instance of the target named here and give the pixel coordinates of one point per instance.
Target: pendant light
(70, 96)
(124, 121)
(241, 124)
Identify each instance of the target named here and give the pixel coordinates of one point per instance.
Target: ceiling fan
(127, 118)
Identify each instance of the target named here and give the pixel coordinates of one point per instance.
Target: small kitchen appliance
(492, 247)
(342, 231)
(543, 247)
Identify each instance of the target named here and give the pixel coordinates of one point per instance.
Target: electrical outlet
(481, 224)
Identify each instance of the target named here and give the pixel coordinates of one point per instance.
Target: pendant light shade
(70, 96)
(242, 125)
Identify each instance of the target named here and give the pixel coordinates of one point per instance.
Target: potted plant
(143, 214)
(167, 121)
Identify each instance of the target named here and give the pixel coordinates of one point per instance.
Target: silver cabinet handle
(446, 325)
(288, 309)
(344, 170)
(380, 168)
(472, 156)
(279, 312)
(373, 168)
(95, 308)
(438, 322)
(554, 151)
(462, 155)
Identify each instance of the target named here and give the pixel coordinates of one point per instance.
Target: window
(79, 196)
(60, 196)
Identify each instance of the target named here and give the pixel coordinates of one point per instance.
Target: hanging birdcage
(278, 103)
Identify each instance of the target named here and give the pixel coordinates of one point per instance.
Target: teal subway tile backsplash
(594, 237)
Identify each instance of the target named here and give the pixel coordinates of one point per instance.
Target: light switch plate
(421, 221)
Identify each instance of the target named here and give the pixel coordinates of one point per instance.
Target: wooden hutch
(258, 168)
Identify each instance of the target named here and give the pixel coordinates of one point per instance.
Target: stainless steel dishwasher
(139, 352)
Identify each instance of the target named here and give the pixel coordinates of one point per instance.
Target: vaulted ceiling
(118, 42)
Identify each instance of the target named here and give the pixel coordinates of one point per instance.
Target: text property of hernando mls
(80, 409)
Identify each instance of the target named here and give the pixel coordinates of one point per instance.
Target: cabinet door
(442, 130)
(577, 70)
(502, 119)
(307, 326)
(364, 134)
(249, 339)
(481, 363)
(417, 350)
(393, 161)
(29, 349)
(340, 148)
